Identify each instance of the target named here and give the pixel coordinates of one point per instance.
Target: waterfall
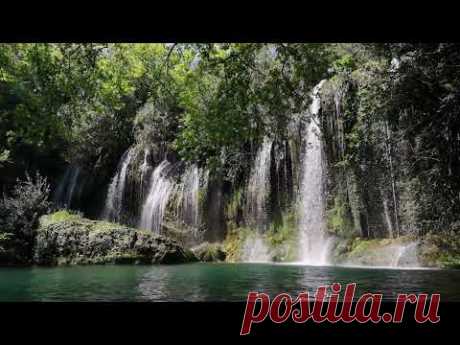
(406, 256)
(254, 249)
(114, 200)
(189, 191)
(61, 191)
(145, 169)
(157, 198)
(66, 189)
(314, 243)
(387, 217)
(258, 187)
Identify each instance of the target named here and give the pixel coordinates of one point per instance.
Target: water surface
(212, 282)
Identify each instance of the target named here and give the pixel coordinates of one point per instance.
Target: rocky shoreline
(63, 238)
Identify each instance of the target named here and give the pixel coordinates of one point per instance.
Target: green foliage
(207, 102)
(344, 64)
(20, 213)
(441, 250)
(5, 243)
(241, 92)
(4, 157)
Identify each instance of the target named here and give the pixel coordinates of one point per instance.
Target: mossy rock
(65, 238)
(371, 252)
(210, 252)
(432, 250)
(281, 240)
(233, 244)
(440, 250)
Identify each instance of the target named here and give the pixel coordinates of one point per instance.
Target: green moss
(234, 204)
(202, 195)
(367, 251)
(209, 252)
(339, 219)
(77, 219)
(59, 216)
(283, 238)
(234, 242)
(103, 226)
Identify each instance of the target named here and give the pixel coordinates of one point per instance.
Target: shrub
(19, 216)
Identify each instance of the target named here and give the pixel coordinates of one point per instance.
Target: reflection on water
(212, 282)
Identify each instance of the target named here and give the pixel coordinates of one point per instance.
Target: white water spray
(314, 242)
(255, 249)
(157, 199)
(406, 256)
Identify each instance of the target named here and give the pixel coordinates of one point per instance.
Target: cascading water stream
(258, 187)
(189, 196)
(114, 200)
(254, 248)
(67, 186)
(314, 242)
(157, 198)
(145, 169)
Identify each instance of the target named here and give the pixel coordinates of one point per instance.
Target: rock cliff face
(82, 241)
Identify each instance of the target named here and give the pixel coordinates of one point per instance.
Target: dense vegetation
(390, 118)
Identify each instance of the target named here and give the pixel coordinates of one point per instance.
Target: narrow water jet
(73, 184)
(314, 242)
(387, 218)
(157, 198)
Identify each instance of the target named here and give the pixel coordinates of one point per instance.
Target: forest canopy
(203, 97)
